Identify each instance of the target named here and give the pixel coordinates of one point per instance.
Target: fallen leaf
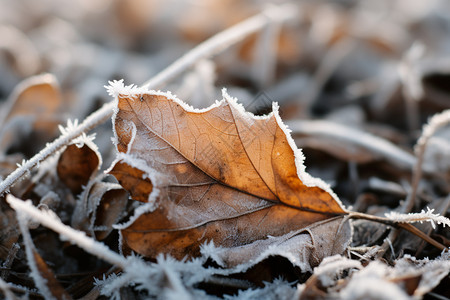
(8, 232)
(77, 164)
(133, 180)
(52, 283)
(112, 204)
(33, 109)
(305, 248)
(37, 96)
(8, 164)
(99, 207)
(217, 174)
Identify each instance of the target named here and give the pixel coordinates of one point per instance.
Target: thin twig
(77, 237)
(6, 289)
(9, 260)
(39, 280)
(442, 207)
(210, 47)
(391, 237)
(436, 122)
(405, 226)
(422, 235)
(223, 40)
(89, 123)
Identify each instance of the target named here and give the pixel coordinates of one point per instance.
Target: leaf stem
(405, 226)
(210, 47)
(422, 235)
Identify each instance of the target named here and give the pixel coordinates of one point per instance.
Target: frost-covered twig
(4, 287)
(419, 217)
(135, 271)
(436, 122)
(210, 47)
(223, 40)
(396, 223)
(89, 123)
(9, 260)
(39, 281)
(50, 220)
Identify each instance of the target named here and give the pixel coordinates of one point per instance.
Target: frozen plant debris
(426, 216)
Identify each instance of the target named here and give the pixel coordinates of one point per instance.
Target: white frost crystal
(419, 217)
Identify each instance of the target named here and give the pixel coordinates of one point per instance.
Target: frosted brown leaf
(219, 174)
(100, 206)
(52, 283)
(76, 165)
(35, 106)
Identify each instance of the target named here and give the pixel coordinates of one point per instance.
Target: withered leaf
(305, 248)
(217, 174)
(35, 105)
(38, 95)
(133, 179)
(112, 203)
(99, 208)
(76, 166)
(52, 283)
(8, 232)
